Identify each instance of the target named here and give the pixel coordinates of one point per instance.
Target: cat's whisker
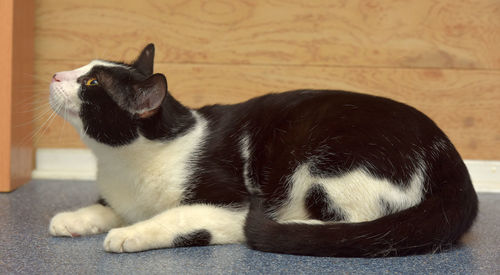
(42, 128)
(32, 108)
(49, 123)
(34, 131)
(28, 88)
(61, 131)
(29, 96)
(35, 119)
(40, 78)
(37, 111)
(31, 101)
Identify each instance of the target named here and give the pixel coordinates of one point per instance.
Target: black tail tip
(258, 227)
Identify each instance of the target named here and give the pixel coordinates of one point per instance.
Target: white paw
(127, 239)
(72, 224)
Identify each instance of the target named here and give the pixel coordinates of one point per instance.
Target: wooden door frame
(16, 90)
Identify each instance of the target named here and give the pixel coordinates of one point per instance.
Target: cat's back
(340, 110)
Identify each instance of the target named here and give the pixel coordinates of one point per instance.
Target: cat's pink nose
(55, 79)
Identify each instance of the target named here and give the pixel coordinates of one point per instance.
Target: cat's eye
(91, 82)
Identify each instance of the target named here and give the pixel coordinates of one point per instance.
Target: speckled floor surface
(27, 248)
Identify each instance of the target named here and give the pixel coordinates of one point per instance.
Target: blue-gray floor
(27, 248)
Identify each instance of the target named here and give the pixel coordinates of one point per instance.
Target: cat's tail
(437, 223)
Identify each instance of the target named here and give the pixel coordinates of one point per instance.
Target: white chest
(138, 191)
(147, 177)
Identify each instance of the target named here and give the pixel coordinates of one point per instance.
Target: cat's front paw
(71, 224)
(127, 239)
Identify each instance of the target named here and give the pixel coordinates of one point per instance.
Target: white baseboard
(68, 164)
(485, 175)
(80, 164)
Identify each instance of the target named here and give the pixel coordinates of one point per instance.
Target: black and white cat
(309, 172)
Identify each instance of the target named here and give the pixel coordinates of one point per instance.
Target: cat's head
(110, 101)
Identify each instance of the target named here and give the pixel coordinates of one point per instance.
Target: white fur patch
(90, 220)
(146, 177)
(311, 221)
(357, 193)
(224, 225)
(245, 155)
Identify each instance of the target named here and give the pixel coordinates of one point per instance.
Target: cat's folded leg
(94, 219)
(189, 225)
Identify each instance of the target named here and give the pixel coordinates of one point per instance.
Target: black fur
(386, 206)
(335, 131)
(104, 119)
(102, 202)
(197, 238)
(104, 114)
(321, 207)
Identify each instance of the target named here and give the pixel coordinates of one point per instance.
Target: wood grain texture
(465, 103)
(442, 57)
(354, 33)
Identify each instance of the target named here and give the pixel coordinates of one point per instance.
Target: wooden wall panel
(440, 56)
(367, 33)
(464, 103)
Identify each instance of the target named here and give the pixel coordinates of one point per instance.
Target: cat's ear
(144, 63)
(149, 95)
